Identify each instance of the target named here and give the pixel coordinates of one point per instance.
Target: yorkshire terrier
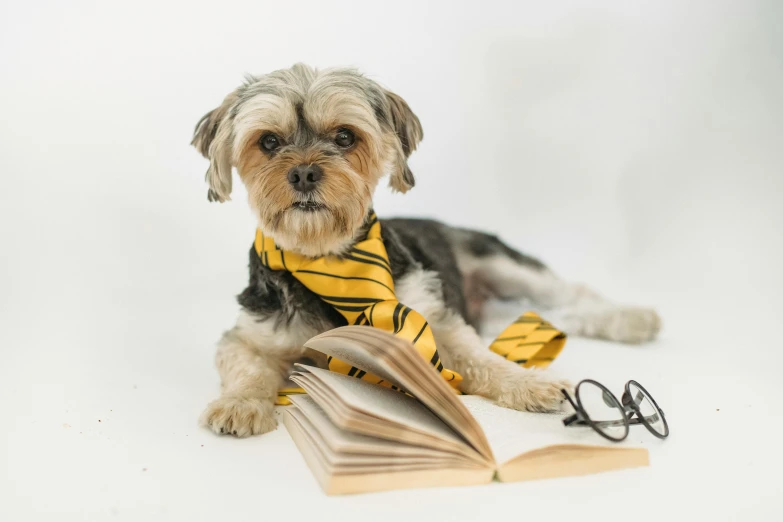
(310, 146)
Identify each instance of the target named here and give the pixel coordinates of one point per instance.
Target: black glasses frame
(630, 408)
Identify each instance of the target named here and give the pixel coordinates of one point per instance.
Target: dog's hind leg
(494, 269)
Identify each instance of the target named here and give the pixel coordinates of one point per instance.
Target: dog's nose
(304, 178)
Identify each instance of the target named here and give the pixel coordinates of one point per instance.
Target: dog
(311, 146)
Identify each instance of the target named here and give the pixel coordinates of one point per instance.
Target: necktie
(360, 287)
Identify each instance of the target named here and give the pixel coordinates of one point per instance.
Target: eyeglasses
(598, 408)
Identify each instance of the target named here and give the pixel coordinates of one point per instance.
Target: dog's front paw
(534, 390)
(240, 416)
(630, 325)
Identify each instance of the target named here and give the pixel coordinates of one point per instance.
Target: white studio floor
(105, 429)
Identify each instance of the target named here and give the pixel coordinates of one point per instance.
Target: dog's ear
(409, 134)
(212, 138)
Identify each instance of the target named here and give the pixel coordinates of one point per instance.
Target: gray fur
(481, 245)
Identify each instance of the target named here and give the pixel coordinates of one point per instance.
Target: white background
(632, 145)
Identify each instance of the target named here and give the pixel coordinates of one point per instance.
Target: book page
(376, 479)
(347, 441)
(348, 462)
(511, 432)
(384, 403)
(395, 360)
(353, 352)
(340, 439)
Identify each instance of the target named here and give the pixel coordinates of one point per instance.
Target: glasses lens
(646, 406)
(603, 409)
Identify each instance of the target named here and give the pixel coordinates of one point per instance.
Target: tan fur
(345, 191)
(410, 133)
(328, 100)
(252, 360)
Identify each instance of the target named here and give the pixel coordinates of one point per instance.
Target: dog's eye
(344, 138)
(269, 142)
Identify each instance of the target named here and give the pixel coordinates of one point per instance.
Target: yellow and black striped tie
(360, 287)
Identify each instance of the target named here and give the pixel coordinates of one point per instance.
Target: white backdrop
(632, 145)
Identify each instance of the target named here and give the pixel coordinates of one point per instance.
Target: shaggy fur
(357, 132)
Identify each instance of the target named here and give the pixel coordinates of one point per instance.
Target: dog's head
(310, 146)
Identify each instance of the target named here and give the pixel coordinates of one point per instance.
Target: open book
(360, 437)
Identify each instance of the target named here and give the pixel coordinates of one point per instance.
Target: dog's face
(310, 146)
